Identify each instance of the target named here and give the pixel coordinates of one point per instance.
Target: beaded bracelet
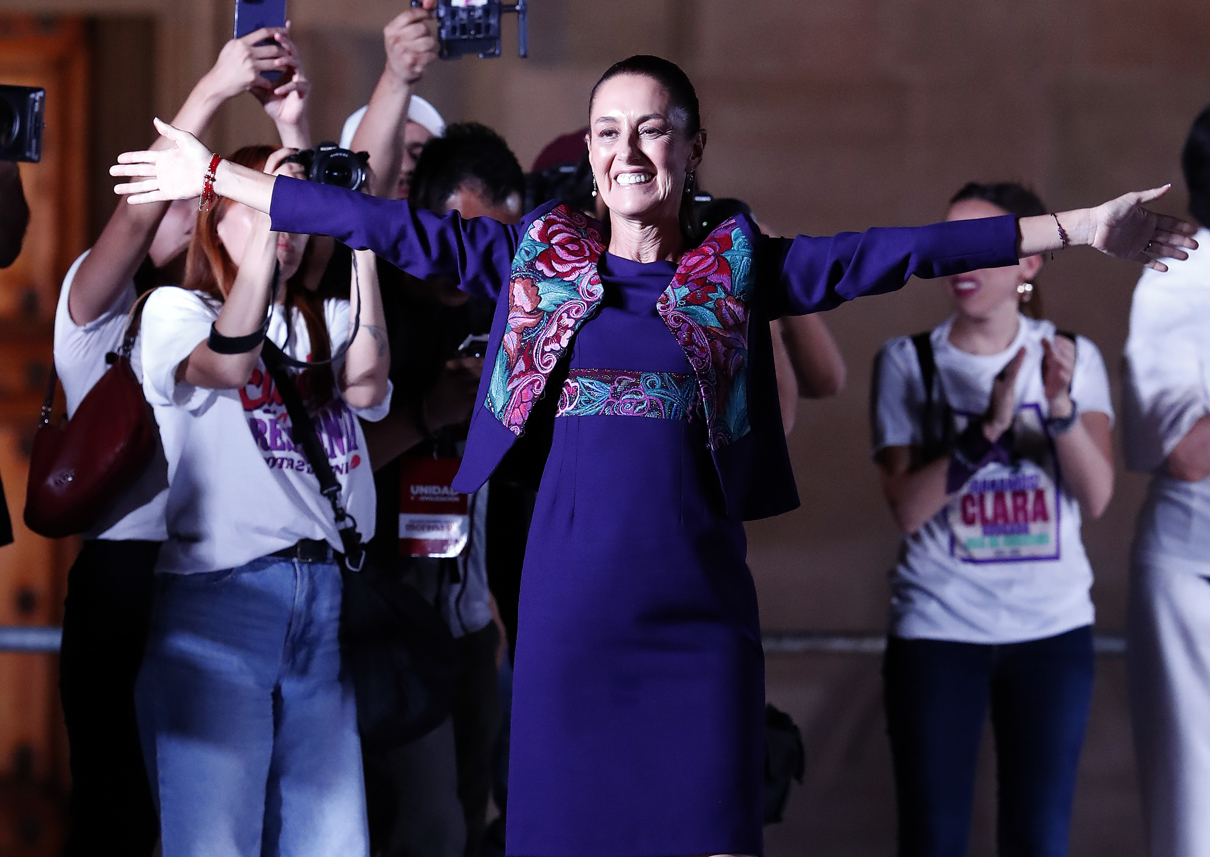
(208, 196)
(1062, 234)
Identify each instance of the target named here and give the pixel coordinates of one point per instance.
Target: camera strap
(306, 435)
(286, 359)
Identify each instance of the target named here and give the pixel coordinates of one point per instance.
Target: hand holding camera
(409, 43)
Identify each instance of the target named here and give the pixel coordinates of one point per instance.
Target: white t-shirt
(1166, 391)
(1004, 562)
(80, 361)
(239, 489)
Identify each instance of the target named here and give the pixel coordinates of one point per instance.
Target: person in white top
(110, 585)
(992, 437)
(1166, 429)
(242, 686)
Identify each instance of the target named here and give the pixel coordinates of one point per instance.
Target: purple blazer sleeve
(814, 274)
(477, 254)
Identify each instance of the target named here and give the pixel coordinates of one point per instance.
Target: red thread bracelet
(208, 195)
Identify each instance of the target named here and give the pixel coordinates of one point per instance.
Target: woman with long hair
(640, 354)
(991, 433)
(247, 718)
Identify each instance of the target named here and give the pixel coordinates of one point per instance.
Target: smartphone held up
(253, 15)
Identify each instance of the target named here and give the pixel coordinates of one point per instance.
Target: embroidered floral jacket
(543, 275)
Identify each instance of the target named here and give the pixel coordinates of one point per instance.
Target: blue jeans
(248, 723)
(937, 697)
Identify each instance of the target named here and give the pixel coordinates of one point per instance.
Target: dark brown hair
(1014, 198)
(209, 269)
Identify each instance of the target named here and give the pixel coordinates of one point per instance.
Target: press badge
(433, 517)
(1010, 513)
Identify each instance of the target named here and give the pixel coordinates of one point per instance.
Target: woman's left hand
(1058, 366)
(1124, 228)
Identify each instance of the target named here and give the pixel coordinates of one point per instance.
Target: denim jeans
(247, 720)
(937, 698)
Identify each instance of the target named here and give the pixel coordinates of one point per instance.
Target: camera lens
(10, 123)
(337, 172)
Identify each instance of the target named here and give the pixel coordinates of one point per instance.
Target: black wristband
(220, 344)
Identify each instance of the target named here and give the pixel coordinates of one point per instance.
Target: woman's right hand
(168, 174)
(1003, 407)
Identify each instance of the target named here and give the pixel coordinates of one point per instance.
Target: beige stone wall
(825, 116)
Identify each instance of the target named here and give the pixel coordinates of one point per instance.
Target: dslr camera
(21, 118)
(327, 163)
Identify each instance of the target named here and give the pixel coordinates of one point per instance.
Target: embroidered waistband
(610, 392)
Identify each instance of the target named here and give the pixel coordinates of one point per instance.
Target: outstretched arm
(128, 235)
(475, 253)
(820, 273)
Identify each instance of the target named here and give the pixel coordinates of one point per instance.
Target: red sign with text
(432, 516)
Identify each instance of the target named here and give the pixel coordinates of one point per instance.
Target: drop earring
(1026, 291)
(689, 179)
(594, 187)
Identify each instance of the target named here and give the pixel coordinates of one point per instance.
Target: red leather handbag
(78, 471)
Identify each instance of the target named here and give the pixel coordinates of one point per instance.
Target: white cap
(419, 111)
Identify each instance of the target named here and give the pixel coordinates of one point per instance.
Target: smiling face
(641, 148)
(988, 292)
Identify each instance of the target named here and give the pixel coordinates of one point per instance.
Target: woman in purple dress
(641, 353)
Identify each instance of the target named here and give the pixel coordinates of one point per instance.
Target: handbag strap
(133, 320)
(313, 448)
(48, 402)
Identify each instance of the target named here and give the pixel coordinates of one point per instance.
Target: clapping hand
(1058, 366)
(1003, 408)
(167, 174)
(1124, 228)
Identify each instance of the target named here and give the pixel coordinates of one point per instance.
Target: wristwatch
(1061, 425)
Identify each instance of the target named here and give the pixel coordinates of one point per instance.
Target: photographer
(110, 585)
(431, 796)
(242, 687)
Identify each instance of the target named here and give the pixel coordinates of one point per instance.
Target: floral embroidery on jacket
(706, 307)
(554, 288)
(611, 392)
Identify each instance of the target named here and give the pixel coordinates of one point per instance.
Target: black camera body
(473, 27)
(22, 109)
(328, 163)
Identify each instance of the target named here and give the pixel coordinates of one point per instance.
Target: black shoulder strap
(923, 343)
(313, 448)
